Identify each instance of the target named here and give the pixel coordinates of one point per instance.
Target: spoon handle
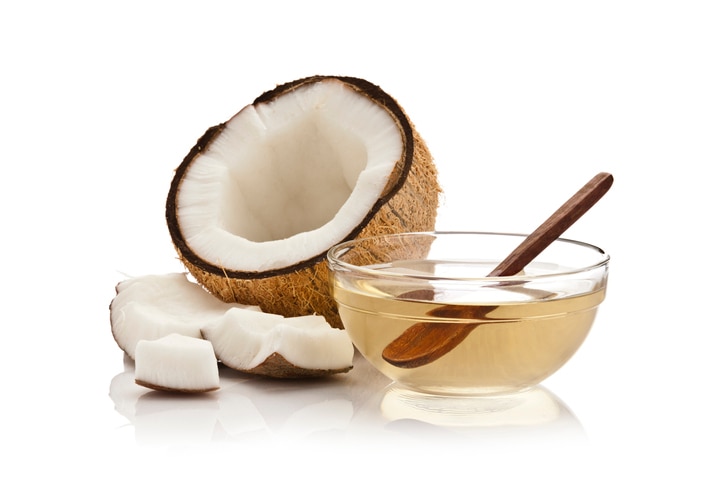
(554, 226)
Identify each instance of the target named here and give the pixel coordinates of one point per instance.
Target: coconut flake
(245, 340)
(152, 306)
(177, 363)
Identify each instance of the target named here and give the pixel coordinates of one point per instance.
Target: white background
(519, 102)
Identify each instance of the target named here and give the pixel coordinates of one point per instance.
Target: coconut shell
(409, 203)
(277, 367)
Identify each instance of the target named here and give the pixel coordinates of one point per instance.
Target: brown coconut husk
(409, 203)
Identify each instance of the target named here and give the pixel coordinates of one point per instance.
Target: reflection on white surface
(520, 417)
(532, 407)
(362, 402)
(244, 408)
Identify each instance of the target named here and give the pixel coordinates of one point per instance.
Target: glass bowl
(523, 328)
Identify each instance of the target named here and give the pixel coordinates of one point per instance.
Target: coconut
(148, 307)
(153, 308)
(258, 201)
(177, 363)
(280, 347)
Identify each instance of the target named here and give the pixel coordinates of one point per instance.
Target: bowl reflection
(521, 416)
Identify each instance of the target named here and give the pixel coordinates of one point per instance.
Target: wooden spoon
(426, 342)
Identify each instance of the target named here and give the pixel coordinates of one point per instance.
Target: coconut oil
(525, 334)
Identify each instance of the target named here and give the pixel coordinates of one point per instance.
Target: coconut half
(149, 307)
(259, 200)
(280, 347)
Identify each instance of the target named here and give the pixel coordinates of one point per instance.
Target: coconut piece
(151, 306)
(259, 200)
(177, 363)
(280, 347)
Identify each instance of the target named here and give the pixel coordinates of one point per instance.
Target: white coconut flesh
(149, 307)
(244, 340)
(286, 179)
(177, 363)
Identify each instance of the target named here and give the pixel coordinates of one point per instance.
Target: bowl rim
(333, 261)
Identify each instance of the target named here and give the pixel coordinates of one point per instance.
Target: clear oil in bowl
(526, 334)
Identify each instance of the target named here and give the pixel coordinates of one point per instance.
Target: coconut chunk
(152, 306)
(281, 347)
(177, 363)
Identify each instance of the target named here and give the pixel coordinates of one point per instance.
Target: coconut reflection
(360, 404)
(245, 408)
